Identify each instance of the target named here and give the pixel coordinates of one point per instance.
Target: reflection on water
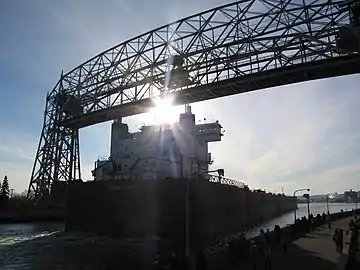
(14, 251)
(45, 245)
(14, 233)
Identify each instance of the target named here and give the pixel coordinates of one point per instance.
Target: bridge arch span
(235, 48)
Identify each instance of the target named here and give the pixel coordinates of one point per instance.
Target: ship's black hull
(138, 209)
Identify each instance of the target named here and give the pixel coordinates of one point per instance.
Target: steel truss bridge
(231, 49)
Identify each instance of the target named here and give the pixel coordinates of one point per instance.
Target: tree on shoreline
(4, 192)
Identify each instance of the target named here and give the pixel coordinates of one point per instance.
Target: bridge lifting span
(235, 48)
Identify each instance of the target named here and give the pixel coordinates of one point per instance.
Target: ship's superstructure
(159, 151)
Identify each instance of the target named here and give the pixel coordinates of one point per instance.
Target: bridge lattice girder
(239, 47)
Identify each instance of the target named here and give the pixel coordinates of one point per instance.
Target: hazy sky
(297, 136)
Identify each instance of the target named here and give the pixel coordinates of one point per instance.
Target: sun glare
(164, 111)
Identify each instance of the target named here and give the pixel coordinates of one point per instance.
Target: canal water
(43, 246)
(315, 208)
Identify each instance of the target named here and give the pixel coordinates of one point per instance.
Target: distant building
(159, 151)
(351, 196)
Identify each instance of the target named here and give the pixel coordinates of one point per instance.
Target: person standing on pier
(351, 225)
(253, 253)
(353, 263)
(267, 250)
(340, 239)
(335, 236)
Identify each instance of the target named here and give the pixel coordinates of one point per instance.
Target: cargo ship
(157, 183)
(159, 151)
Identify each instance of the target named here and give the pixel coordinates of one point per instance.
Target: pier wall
(157, 208)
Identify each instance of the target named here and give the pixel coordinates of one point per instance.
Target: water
(315, 208)
(46, 246)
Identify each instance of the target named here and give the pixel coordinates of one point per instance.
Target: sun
(164, 112)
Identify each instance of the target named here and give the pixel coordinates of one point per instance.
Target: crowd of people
(258, 250)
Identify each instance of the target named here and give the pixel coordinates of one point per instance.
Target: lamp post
(307, 196)
(298, 190)
(327, 202)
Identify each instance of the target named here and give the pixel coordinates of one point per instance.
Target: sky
(303, 135)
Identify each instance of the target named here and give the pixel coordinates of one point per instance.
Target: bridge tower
(58, 154)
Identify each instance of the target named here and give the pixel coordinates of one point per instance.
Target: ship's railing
(226, 181)
(206, 121)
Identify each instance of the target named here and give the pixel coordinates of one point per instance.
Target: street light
(307, 196)
(298, 190)
(327, 201)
